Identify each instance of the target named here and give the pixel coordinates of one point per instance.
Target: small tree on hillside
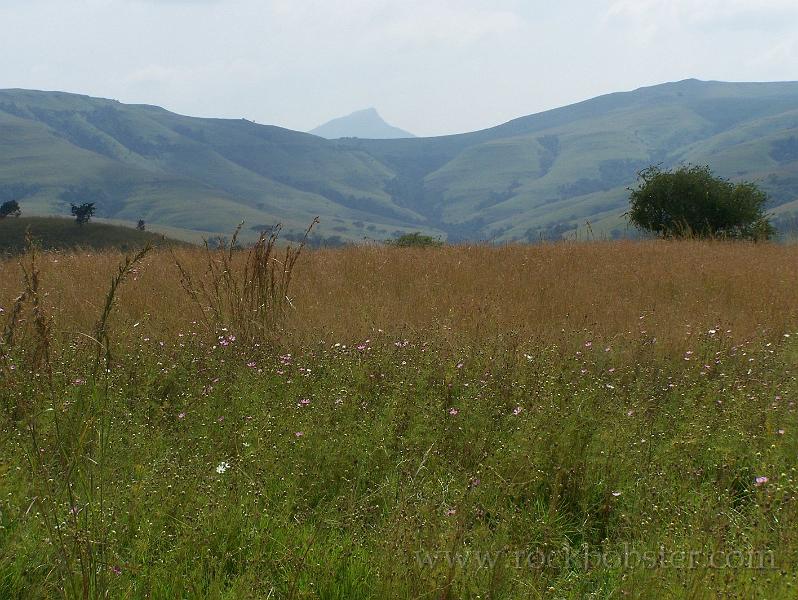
(83, 213)
(140, 225)
(692, 201)
(10, 209)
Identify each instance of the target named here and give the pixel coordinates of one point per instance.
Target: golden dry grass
(547, 293)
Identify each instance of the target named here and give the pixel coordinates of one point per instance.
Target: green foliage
(83, 212)
(10, 208)
(416, 240)
(691, 201)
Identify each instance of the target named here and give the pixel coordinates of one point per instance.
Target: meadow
(570, 420)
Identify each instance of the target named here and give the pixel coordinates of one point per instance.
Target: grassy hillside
(535, 176)
(558, 169)
(54, 233)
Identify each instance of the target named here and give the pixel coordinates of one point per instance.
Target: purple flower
(454, 412)
(299, 434)
(762, 480)
(116, 570)
(517, 410)
(303, 402)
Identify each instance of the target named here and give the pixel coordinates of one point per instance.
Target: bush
(691, 201)
(10, 209)
(416, 240)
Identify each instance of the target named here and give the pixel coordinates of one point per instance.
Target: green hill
(53, 233)
(535, 176)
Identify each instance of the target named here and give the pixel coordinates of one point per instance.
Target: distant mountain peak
(366, 124)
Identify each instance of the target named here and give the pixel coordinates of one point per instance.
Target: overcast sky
(429, 66)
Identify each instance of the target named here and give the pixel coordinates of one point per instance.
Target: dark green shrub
(691, 201)
(10, 209)
(416, 240)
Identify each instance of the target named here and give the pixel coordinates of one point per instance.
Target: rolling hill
(53, 233)
(537, 176)
(361, 124)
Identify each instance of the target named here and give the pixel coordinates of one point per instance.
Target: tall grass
(246, 294)
(399, 423)
(67, 442)
(461, 294)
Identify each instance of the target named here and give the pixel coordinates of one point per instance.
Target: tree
(140, 225)
(692, 201)
(84, 212)
(10, 209)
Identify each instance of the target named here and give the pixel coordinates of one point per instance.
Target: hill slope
(361, 124)
(535, 176)
(61, 234)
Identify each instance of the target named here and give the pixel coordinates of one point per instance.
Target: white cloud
(707, 14)
(444, 23)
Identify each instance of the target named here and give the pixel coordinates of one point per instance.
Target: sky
(429, 66)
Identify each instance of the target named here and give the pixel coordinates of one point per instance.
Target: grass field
(595, 420)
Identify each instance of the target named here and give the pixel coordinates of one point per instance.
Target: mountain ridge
(534, 177)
